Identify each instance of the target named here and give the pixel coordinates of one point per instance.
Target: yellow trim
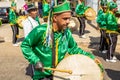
(17, 36)
(109, 31)
(56, 50)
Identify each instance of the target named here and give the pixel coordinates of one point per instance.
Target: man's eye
(65, 18)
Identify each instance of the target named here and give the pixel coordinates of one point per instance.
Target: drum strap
(53, 50)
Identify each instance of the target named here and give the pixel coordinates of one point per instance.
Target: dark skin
(104, 8)
(115, 1)
(61, 21)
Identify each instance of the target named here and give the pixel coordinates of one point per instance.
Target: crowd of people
(45, 45)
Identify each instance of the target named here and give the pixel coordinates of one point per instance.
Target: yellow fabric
(56, 61)
(109, 31)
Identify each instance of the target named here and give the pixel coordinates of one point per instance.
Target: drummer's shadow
(29, 71)
(114, 75)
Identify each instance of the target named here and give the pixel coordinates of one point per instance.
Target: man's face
(62, 20)
(48, 1)
(34, 13)
(104, 8)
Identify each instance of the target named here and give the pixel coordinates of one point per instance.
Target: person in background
(102, 23)
(25, 7)
(13, 23)
(111, 32)
(40, 8)
(80, 10)
(46, 9)
(47, 44)
(32, 20)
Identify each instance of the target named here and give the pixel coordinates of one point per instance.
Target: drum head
(90, 14)
(82, 67)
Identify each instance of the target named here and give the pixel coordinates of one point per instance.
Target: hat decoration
(112, 5)
(13, 4)
(31, 6)
(103, 2)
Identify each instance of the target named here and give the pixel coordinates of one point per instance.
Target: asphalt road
(13, 66)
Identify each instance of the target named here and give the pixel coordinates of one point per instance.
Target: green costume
(12, 15)
(111, 18)
(46, 9)
(80, 9)
(35, 49)
(101, 19)
(102, 16)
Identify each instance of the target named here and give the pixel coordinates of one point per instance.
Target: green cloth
(13, 4)
(34, 49)
(38, 20)
(112, 5)
(46, 9)
(80, 9)
(111, 22)
(12, 17)
(65, 6)
(101, 19)
(103, 3)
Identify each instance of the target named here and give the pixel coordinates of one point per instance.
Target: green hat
(112, 5)
(103, 2)
(60, 8)
(31, 6)
(13, 4)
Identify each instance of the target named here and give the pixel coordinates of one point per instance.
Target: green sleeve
(28, 44)
(46, 9)
(112, 21)
(37, 19)
(74, 49)
(81, 8)
(101, 18)
(12, 17)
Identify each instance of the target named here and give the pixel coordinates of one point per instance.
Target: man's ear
(55, 18)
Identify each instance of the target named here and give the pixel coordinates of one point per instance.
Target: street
(13, 66)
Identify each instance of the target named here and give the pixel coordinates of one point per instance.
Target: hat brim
(32, 8)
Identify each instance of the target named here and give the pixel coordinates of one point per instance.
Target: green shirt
(12, 17)
(102, 19)
(46, 9)
(80, 9)
(34, 49)
(112, 22)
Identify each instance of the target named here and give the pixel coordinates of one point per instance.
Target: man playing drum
(47, 44)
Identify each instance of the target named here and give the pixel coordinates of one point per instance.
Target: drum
(74, 24)
(90, 14)
(19, 21)
(82, 67)
(118, 21)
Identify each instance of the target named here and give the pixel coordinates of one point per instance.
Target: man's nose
(68, 21)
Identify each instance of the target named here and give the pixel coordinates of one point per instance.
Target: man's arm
(28, 44)
(74, 49)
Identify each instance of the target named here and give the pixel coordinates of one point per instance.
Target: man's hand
(39, 66)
